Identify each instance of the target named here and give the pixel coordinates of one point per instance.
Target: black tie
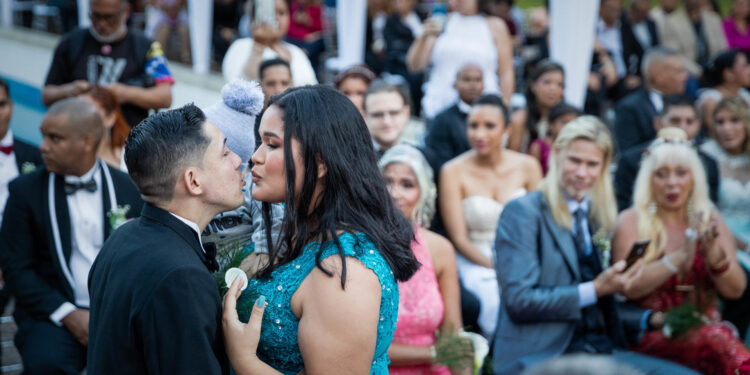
(72, 187)
(211, 263)
(580, 241)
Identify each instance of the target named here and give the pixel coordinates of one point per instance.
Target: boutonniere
(117, 216)
(28, 167)
(601, 240)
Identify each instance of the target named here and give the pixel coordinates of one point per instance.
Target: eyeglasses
(381, 114)
(110, 18)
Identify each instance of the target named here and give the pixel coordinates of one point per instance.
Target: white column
(200, 14)
(351, 19)
(571, 39)
(83, 13)
(6, 11)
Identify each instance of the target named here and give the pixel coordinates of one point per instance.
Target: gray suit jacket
(537, 268)
(679, 35)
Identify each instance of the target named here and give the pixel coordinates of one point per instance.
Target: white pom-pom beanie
(241, 101)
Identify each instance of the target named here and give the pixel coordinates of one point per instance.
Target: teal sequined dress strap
(279, 342)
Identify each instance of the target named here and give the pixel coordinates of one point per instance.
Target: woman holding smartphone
(244, 56)
(690, 260)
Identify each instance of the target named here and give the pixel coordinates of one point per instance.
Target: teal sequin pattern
(278, 345)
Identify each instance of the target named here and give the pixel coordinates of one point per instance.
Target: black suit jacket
(155, 308)
(632, 50)
(630, 162)
(446, 136)
(31, 266)
(634, 120)
(26, 153)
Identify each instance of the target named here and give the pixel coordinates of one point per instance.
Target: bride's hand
(241, 339)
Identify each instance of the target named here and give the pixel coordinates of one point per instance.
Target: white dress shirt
(192, 226)
(610, 39)
(656, 99)
(86, 212)
(8, 171)
(463, 107)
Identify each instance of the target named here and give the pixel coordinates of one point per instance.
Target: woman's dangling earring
(690, 209)
(652, 208)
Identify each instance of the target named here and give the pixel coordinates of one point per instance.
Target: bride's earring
(652, 208)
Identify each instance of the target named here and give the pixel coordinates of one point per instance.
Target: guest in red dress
(691, 259)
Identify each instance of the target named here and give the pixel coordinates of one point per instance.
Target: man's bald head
(79, 116)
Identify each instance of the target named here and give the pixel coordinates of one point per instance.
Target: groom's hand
(77, 322)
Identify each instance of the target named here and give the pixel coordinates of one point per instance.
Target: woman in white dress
(468, 35)
(727, 76)
(730, 147)
(474, 187)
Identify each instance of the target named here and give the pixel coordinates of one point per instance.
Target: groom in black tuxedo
(155, 307)
(55, 221)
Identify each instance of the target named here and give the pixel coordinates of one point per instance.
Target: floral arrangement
(27, 167)
(680, 319)
(230, 256)
(601, 241)
(118, 216)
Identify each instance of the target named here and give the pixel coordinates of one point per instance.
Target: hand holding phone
(636, 252)
(265, 12)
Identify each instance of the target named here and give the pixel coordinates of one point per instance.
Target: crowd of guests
(440, 198)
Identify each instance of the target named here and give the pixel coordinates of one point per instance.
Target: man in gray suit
(557, 298)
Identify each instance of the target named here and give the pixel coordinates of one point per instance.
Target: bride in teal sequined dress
(329, 302)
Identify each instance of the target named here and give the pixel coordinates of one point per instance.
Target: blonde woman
(557, 295)
(690, 258)
(429, 311)
(730, 147)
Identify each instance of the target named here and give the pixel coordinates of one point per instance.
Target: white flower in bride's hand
(117, 216)
(601, 240)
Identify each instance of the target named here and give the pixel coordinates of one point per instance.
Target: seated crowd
(542, 229)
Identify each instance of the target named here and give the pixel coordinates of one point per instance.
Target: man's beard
(111, 38)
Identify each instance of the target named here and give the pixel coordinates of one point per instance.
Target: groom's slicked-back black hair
(161, 146)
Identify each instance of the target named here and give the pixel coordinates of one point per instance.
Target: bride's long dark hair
(329, 128)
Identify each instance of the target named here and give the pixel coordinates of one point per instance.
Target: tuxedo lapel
(185, 232)
(564, 241)
(106, 206)
(63, 218)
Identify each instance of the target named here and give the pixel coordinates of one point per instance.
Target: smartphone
(636, 252)
(265, 12)
(439, 13)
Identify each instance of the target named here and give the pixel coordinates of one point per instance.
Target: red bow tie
(6, 149)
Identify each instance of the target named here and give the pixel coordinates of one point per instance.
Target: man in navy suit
(557, 291)
(664, 74)
(55, 222)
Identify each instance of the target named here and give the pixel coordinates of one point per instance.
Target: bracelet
(670, 266)
(433, 354)
(718, 271)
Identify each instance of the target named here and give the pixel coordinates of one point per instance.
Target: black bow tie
(211, 263)
(72, 187)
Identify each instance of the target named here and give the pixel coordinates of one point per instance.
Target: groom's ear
(190, 179)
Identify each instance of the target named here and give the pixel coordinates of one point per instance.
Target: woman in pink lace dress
(429, 302)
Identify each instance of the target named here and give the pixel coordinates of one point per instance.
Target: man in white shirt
(55, 221)
(558, 287)
(16, 156)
